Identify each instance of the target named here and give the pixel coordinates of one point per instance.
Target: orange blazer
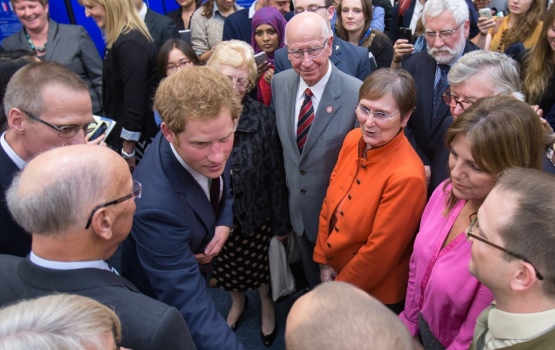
(382, 198)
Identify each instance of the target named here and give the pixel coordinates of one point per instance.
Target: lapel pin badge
(329, 109)
(336, 47)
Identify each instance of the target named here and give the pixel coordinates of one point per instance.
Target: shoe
(269, 339)
(240, 318)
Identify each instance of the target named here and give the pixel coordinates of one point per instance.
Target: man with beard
(446, 27)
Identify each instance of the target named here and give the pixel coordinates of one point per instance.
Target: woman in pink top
(443, 299)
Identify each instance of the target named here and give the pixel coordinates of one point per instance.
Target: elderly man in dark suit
(348, 58)
(78, 217)
(161, 28)
(314, 104)
(47, 106)
(447, 27)
(185, 215)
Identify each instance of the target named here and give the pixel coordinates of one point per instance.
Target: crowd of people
(405, 148)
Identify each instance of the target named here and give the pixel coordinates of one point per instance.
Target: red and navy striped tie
(306, 116)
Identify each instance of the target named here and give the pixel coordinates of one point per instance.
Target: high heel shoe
(269, 339)
(240, 318)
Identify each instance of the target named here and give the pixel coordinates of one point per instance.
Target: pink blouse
(441, 287)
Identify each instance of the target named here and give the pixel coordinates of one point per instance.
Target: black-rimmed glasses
(136, 193)
(473, 223)
(445, 34)
(452, 101)
(64, 131)
(313, 52)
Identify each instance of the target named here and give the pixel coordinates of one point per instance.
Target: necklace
(39, 48)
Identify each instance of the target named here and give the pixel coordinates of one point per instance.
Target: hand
(202, 258)
(428, 172)
(538, 110)
(268, 75)
(261, 68)
(484, 24)
(215, 245)
(327, 273)
(402, 48)
(417, 344)
(132, 163)
(97, 141)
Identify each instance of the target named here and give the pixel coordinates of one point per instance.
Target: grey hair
(57, 322)
(458, 8)
(25, 88)
(61, 203)
(498, 69)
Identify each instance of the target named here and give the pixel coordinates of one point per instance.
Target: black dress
(260, 207)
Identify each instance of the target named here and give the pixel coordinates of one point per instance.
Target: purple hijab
(271, 16)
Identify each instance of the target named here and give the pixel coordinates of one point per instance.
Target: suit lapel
(328, 107)
(149, 20)
(53, 39)
(335, 56)
(427, 78)
(293, 87)
(184, 183)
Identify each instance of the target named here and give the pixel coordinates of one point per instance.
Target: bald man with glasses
(47, 106)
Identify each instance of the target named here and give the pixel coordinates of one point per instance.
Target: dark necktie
(440, 88)
(215, 194)
(306, 116)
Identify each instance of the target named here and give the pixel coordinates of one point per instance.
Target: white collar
(68, 265)
(318, 88)
(143, 11)
(202, 180)
(18, 161)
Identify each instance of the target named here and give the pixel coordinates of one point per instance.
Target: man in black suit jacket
(348, 58)
(441, 18)
(78, 217)
(161, 28)
(47, 106)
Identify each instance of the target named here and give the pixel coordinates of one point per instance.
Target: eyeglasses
(65, 131)
(445, 34)
(309, 8)
(171, 68)
(452, 101)
(313, 52)
(240, 83)
(474, 223)
(365, 112)
(136, 193)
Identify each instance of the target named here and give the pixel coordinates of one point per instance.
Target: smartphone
(100, 129)
(260, 58)
(485, 12)
(405, 33)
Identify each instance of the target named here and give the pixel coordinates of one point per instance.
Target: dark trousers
(311, 268)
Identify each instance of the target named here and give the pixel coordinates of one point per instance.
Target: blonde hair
(195, 93)
(539, 64)
(526, 24)
(121, 18)
(234, 53)
(58, 322)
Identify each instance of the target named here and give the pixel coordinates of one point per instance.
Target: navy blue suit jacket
(238, 25)
(348, 58)
(173, 221)
(162, 28)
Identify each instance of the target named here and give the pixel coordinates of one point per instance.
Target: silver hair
(234, 53)
(26, 86)
(57, 322)
(497, 69)
(63, 202)
(458, 8)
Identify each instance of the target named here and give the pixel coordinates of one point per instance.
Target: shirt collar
(252, 9)
(18, 161)
(202, 180)
(68, 265)
(142, 13)
(506, 325)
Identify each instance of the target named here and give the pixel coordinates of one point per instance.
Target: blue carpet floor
(249, 329)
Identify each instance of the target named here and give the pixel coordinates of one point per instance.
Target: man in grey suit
(314, 104)
(78, 216)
